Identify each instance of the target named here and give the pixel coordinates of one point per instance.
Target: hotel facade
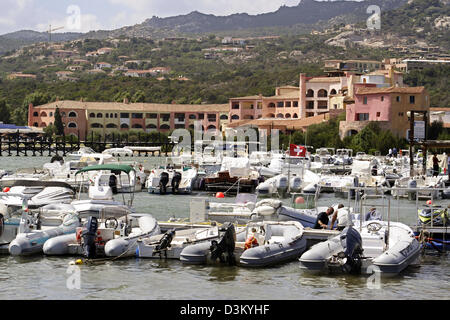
(80, 118)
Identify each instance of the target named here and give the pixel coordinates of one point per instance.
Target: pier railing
(41, 145)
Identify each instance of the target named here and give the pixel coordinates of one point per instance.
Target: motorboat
(260, 244)
(31, 195)
(418, 186)
(389, 246)
(164, 180)
(112, 233)
(278, 241)
(234, 175)
(34, 174)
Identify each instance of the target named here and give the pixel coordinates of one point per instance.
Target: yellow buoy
(78, 261)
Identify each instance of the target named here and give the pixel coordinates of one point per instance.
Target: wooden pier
(32, 144)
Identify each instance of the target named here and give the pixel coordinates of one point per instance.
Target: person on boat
(343, 218)
(394, 152)
(435, 165)
(251, 241)
(373, 214)
(390, 153)
(322, 219)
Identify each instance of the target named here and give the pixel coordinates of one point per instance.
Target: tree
(139, 96)
(4, 111)
(58, 123)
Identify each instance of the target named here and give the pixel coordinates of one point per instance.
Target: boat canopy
(115, 168)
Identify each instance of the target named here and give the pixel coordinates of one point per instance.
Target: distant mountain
(15, 40)
(307, 12)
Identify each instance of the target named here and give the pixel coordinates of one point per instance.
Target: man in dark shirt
(322, 219)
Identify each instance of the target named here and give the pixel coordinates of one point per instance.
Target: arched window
(72, 125)
(35, 124)
(43, 125)
(280, 115)
(72, 114)
(111, 115)
(333, 91)
(295, 116)
(164, 127)
(111, 126)
(151, 126)
(35, 114)
(192, 116)
(271, 115)
(99, 115)
(43, 114)
(310, 93)
(234, 117)
(107, 115)
(91, 115)
(124, 126)
(51, 114)
(211, 127)
(224, 117)
(271, 105)
(322, 93)
(287, 115)
(96, 125)
(137, 126)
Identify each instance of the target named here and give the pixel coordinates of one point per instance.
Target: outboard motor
(165, 241)
(352, 243)
(163, 180)
(224, 248)
(2, 224)
(176, 179)
(113, 183)
(88, 236)
(355, 184)
(374, 170)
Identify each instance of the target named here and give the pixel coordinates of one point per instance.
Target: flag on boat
(297, 151)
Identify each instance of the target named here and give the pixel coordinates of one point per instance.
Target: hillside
(302, 16)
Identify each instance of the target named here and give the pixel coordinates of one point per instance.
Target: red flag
(297, 151)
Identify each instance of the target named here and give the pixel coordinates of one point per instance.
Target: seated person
(373, 214)
(322, 219)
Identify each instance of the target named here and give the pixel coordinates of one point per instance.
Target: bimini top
(115, 168)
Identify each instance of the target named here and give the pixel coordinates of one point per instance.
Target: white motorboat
(390, 246)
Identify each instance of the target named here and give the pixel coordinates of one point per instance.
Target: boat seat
(373, 244)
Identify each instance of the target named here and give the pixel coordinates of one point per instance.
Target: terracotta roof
(288, 95)
(371, 90)
(138, 107)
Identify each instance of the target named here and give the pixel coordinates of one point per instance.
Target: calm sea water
(41, 277)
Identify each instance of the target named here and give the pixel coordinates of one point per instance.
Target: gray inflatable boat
(388, 248)
(261, 244)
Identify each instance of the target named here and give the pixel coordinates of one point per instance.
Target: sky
(87, 15)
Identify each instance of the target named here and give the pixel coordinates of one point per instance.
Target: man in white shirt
(343, 218)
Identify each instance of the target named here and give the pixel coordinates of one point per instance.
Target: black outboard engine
(113, 183)
(374, 170)
(165, 241)
(88, 236)
(163, 180)
(2, 224)
(224, 248)
(176, 179)
(352, 243)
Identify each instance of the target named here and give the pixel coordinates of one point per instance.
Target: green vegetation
(436, 81)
